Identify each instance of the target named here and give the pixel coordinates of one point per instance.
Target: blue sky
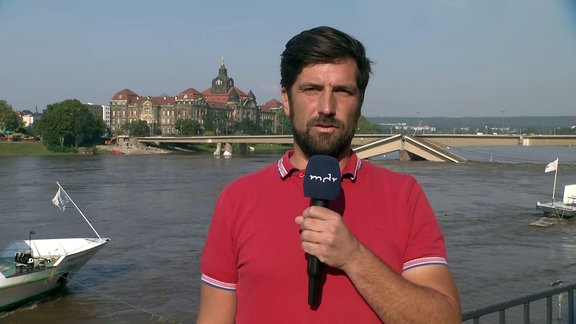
(453, 58)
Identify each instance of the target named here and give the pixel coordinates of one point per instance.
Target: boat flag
(552, 166)
(61, 199)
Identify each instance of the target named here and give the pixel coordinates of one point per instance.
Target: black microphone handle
(315, 267)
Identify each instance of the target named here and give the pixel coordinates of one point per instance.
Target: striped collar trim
(285, 167)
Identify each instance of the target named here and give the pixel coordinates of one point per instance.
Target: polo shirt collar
(285, 167)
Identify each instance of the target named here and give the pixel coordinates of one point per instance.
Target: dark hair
(323, 45)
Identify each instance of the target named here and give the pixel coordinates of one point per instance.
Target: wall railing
(548, 306)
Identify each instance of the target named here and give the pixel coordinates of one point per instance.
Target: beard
(334, 144)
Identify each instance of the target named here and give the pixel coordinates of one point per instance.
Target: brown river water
(156, 210)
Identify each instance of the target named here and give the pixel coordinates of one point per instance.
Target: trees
(188, 126)
(218, 122)
(247, 127)
(284, 124)
(137, 128)
(268, 127)
(365, 126)
(9, 119)
(70, 124)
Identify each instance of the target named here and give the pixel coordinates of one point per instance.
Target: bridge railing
(549, 306)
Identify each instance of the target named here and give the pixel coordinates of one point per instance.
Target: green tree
(70, 124)
(222, 123)
(9, 119)
(365, 126)
(188, 126)
(155, 129)
(284, 124)
(209, 122)
(218, 122)
(566, 131)
(137, 128)
(247, 127)
(88, 128)
(267, 127)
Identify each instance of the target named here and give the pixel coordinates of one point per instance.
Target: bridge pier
(218, 148)
(243, 148)
(228, 149)
(404, 155)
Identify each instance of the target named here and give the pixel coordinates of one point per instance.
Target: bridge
(428, 146)
(410, 148)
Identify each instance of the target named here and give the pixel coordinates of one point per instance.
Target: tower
(222, 83)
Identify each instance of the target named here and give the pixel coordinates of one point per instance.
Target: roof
(271, 104)
(221, 100)
(190, 93)
(134, 99)
(217, 100)
(158, 101)
(125, 94)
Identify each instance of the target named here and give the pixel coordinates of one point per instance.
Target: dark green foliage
(284, 124)
(70, 124)
(247, 127)
(138, 128)
(188, 127)
(365, 126)
(9, 119)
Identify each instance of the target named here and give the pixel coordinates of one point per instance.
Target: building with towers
(223, 99)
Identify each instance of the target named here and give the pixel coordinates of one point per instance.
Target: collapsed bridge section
(409, 147)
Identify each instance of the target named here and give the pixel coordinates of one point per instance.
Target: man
(380, 241)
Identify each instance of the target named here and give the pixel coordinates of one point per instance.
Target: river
(156, 210)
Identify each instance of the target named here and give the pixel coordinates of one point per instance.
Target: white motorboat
(33, 268)
(30, 269)
(562, 209)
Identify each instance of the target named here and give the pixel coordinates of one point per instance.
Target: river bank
(25, 148)
(115, 149)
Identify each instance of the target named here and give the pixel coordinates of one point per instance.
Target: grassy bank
(25, 149)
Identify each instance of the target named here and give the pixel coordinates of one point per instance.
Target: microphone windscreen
(322, 178)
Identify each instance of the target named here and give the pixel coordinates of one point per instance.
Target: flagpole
(92, 227)
(555, 177)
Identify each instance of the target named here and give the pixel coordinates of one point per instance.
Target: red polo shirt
(253, 245)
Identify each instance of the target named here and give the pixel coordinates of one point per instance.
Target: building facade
(223, 98)
(100, 111)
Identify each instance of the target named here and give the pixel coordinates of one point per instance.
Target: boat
(561, 209)
(33, 268)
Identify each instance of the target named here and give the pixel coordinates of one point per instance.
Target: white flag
(61, 199)
(552, 166)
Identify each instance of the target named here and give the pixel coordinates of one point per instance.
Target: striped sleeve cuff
(424, 261)
(217, 283)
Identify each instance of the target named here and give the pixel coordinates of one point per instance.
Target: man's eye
(345, 92)
(310, 91)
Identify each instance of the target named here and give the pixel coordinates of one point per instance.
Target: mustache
(325, 121)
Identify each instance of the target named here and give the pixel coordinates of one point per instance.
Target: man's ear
(285, 102)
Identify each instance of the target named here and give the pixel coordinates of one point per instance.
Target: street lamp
(502, 118)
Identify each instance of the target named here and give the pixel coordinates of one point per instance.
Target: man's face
(324, 106)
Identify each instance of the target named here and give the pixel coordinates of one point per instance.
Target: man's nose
(327, 105)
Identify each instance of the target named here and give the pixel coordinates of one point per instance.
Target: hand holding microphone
(321, 184)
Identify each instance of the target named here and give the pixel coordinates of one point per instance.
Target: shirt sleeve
(218, 264)
(427, 244)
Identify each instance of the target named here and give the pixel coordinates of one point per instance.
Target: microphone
(321, 184)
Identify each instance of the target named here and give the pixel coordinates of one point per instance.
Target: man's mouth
(325, 128)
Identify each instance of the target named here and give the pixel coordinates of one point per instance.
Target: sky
(448, 58)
